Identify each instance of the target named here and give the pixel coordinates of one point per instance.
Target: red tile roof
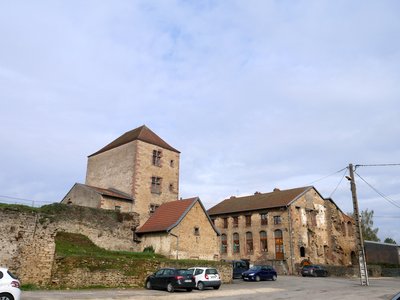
(142, 133)
(258, 201)
(169, 215)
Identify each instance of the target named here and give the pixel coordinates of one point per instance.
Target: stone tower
(140, 164)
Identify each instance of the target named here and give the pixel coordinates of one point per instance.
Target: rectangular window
(277, 220)
(197, 231)
(156, 158)
(156, 185)
(248, 220)
(264, 219)
(235, 221)
(153, 208)
(225, 222)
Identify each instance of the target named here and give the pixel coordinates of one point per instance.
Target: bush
(148, 249)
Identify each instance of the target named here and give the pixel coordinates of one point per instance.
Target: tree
(369, 233)
(389, 241)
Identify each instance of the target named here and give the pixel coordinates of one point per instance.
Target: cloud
(255, 94)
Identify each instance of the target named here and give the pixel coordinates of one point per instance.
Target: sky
(256, 95)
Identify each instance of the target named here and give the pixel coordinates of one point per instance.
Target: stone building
(137, 172)
(284, 228)
(181, 229)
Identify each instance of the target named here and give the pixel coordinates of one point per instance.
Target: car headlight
(251, 274)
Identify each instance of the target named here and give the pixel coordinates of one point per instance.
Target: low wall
(73, 272)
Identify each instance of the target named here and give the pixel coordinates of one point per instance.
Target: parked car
(9, 285)
(260, 272)
(238, 267)
(171, 279)
(314, 270)
(206, 277)
(396, 297)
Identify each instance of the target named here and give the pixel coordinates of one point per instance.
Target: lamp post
(358, 231)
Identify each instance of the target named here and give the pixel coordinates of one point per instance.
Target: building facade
(138, 164)
(284, 228)
(181, 229)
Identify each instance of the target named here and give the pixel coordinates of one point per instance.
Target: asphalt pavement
(286, 287)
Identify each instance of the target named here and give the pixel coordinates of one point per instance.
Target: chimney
(276, 190)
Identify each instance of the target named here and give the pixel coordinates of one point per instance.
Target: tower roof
(142, 133)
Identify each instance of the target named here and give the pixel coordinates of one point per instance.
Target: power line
(378, 192)
(378, 165)
(341, 179)
(327, 176)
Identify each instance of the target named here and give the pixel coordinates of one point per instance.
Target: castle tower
(140, 164)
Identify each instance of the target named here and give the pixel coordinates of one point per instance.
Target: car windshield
(255, 268)
(184, 272)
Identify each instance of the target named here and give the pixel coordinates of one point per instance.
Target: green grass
(78, 245)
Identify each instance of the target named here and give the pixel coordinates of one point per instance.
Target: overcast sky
(255, 94)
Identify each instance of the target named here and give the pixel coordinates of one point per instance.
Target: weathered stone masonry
(27, 236)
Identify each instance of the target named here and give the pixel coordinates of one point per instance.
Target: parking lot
(286, 287)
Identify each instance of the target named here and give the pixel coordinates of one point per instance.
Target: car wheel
(189, 290)
(257, 278)
(148, 285)
(315, 274)
(216, 287)
(6, 296)
(200, 286)
(170, 288)
(274, 277)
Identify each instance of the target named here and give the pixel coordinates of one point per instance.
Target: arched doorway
(278, 244)
(354, 260)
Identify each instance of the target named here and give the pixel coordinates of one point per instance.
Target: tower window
(157, 158)
(156, 185)
(153, 208)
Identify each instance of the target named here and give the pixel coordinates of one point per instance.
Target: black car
(314, 270)
(260, 272)
(171, 279)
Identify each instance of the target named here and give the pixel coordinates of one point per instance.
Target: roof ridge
(141, 133)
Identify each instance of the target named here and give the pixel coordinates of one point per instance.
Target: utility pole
(359, 237)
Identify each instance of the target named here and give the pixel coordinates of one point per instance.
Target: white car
(206, 277)
(9, 285)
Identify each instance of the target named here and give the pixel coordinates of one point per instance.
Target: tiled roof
(108, 192)
(167, 216)
(258, 201)
(142, 133)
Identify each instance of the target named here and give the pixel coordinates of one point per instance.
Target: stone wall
(27, 235)
(67, 274)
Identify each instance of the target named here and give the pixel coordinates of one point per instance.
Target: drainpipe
(291, 240)
(177, 243)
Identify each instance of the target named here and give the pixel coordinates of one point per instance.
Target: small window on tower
(153, 208)
(171, 163)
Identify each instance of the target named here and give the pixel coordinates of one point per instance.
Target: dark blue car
(259, 272)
